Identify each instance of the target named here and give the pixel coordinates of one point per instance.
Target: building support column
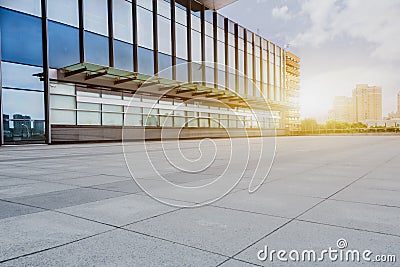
(46, 82)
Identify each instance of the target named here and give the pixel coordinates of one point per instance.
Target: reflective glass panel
(20, 76)
(164, 35)
(145, 28)
(21, 38)
(63, 45)
(96, 16)
(122, 17)
(145, 61)
(31, 6)
(65, 11)
(123, 55)
(96, 49)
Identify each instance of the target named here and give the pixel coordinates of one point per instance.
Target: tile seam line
(312, 207)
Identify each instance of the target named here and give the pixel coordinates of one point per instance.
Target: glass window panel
(232, 82)
(89, 118)
(164, 8)
(146, 61)
(196, 46)
(122, 18)
(210, 76)
(164, 66)
(65, 11)
(112, 108)
(257, 70)
(60, 101)
(88, 106)
(196, 23)
(20, 76)
(250, 66)
(221, 79)
(192, 120)
(221, 55)
(133, 120)
(89, 94)
(123, 55)
(232, 59)
(164, 35)
(181, 70)
(62, 88)
(96, 49)
(166, 118)
(181, 41)
(96, 16)
(208, 16)
(21, 38)
(31, 6)
(63, 45)
(112, 119)
(145, 28)
(26, 103)
(214, 120)
(209, 29)
(145, 3)
(265, 71)
(180, 15)
(209, 49)
(63, 117)
(241, 85)
(241, 61)
(221, 35)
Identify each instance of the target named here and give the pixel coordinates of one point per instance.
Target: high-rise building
(85, 61)
(343, 109)
(398, 105)
(292, 91)
(367, 102)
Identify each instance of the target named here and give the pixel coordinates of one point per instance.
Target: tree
(309, 124)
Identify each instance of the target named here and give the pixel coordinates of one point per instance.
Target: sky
(341, 43)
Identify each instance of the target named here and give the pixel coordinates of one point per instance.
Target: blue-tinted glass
(21, 38)
(96, 49)
(63, 45)
(164, 66)
(23, 121)
(181, 70)
(123, 55)
(145, 61)
(21, 76)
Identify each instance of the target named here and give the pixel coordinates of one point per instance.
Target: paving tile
(32, 189)
(308, 236)
(29, 233)
(126, 186)
(373, 191)
(210, 228)
(93, 180)
(121, 248)
(8, 209)
(15, 181)
(356, 215)
(119, 210)
(66, 198)
(268, 201)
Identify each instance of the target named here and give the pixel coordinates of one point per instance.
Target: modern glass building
(71, 69)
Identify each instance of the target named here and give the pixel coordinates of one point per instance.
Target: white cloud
(371, 21)
(281, 12)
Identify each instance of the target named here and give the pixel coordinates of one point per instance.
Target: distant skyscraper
(343, 109)
(38, 127)
(367, 102)
(22, 125)
(398, 104)
(6, 122)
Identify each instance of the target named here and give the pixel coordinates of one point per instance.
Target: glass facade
(117, 33)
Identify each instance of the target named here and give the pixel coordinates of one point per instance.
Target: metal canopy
(209, 4)
(121, 80)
